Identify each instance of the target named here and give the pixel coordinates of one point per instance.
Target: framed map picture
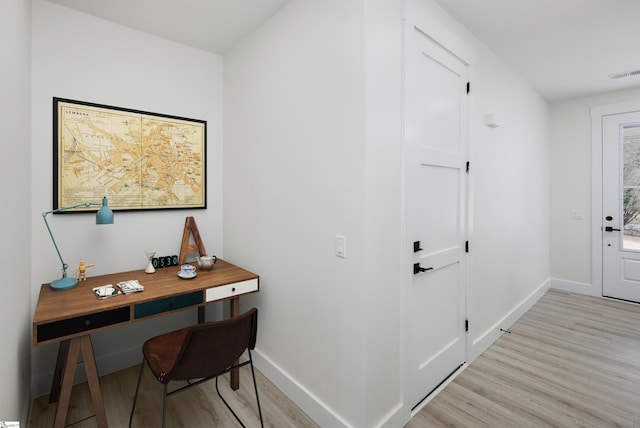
(138, 160)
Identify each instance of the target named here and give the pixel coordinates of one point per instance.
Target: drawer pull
(232, 290)
(81, 324)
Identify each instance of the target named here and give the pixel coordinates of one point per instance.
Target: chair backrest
(210, 348)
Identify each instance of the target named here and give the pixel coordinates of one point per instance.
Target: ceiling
(564, 48)
(210, 25)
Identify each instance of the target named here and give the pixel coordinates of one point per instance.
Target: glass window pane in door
(631, 187)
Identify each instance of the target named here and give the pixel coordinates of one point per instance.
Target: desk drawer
(231, 290)
(85, 323)
(159, 306)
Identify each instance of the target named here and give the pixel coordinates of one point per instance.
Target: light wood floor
(570, 361)
(193, 408)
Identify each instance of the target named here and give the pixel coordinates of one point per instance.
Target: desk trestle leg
(76, 346)
(234, 310)
(63, 351)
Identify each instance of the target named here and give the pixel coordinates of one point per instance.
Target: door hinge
(466, 247)
(468, 166)
(468, 87)
(466, 325)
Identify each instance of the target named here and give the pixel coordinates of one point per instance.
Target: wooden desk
(70, 316)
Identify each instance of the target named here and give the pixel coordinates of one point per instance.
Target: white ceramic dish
(186, 276)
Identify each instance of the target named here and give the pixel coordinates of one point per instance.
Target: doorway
(435, 159)
(621, 206)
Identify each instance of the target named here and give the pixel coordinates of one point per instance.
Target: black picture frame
(139, 160)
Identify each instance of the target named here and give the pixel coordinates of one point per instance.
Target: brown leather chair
(203, 351)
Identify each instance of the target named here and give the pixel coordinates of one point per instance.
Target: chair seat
(203, 351)
(162, 352)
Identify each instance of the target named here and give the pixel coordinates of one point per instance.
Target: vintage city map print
(137, 160)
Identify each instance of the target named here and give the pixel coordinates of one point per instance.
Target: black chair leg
(255, 387)
(227, 404)
(164, 405)
(135, 397)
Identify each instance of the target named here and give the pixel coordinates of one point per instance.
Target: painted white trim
(493, 333)
(596, 200)
(315, 408)
(597, 114)
(417, 16)
(397, 417)
(576, 287)
(439, 389)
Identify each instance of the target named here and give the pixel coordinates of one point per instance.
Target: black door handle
(418, 269)
(610, 229)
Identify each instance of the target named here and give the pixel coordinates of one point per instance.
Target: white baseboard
(576, 287)
(26, 409)
(486, 339)
(322, 414)
(397, 417)
(317, 410)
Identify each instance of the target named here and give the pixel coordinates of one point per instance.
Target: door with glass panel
(621, 206)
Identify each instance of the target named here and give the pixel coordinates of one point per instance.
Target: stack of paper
(131, 286)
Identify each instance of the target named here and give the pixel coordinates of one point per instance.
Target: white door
(621, 206)
(435, 156)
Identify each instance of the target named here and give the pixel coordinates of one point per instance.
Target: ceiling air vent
(624, 74)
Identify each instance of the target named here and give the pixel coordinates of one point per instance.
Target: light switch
(341, 246)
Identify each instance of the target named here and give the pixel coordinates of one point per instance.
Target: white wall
(303, 162)
(381, 301)
(509, 259)
(293, 179)
(571, 161)
(80, 57)
(15, 232)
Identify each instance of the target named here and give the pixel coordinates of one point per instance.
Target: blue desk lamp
(103, 216)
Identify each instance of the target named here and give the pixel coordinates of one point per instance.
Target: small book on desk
(131, 286)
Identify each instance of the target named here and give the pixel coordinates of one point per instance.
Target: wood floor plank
(193, 408)
(570, 361)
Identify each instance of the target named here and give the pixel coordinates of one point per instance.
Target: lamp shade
(104, 214)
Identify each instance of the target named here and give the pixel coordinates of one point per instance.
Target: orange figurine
(81, 270)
